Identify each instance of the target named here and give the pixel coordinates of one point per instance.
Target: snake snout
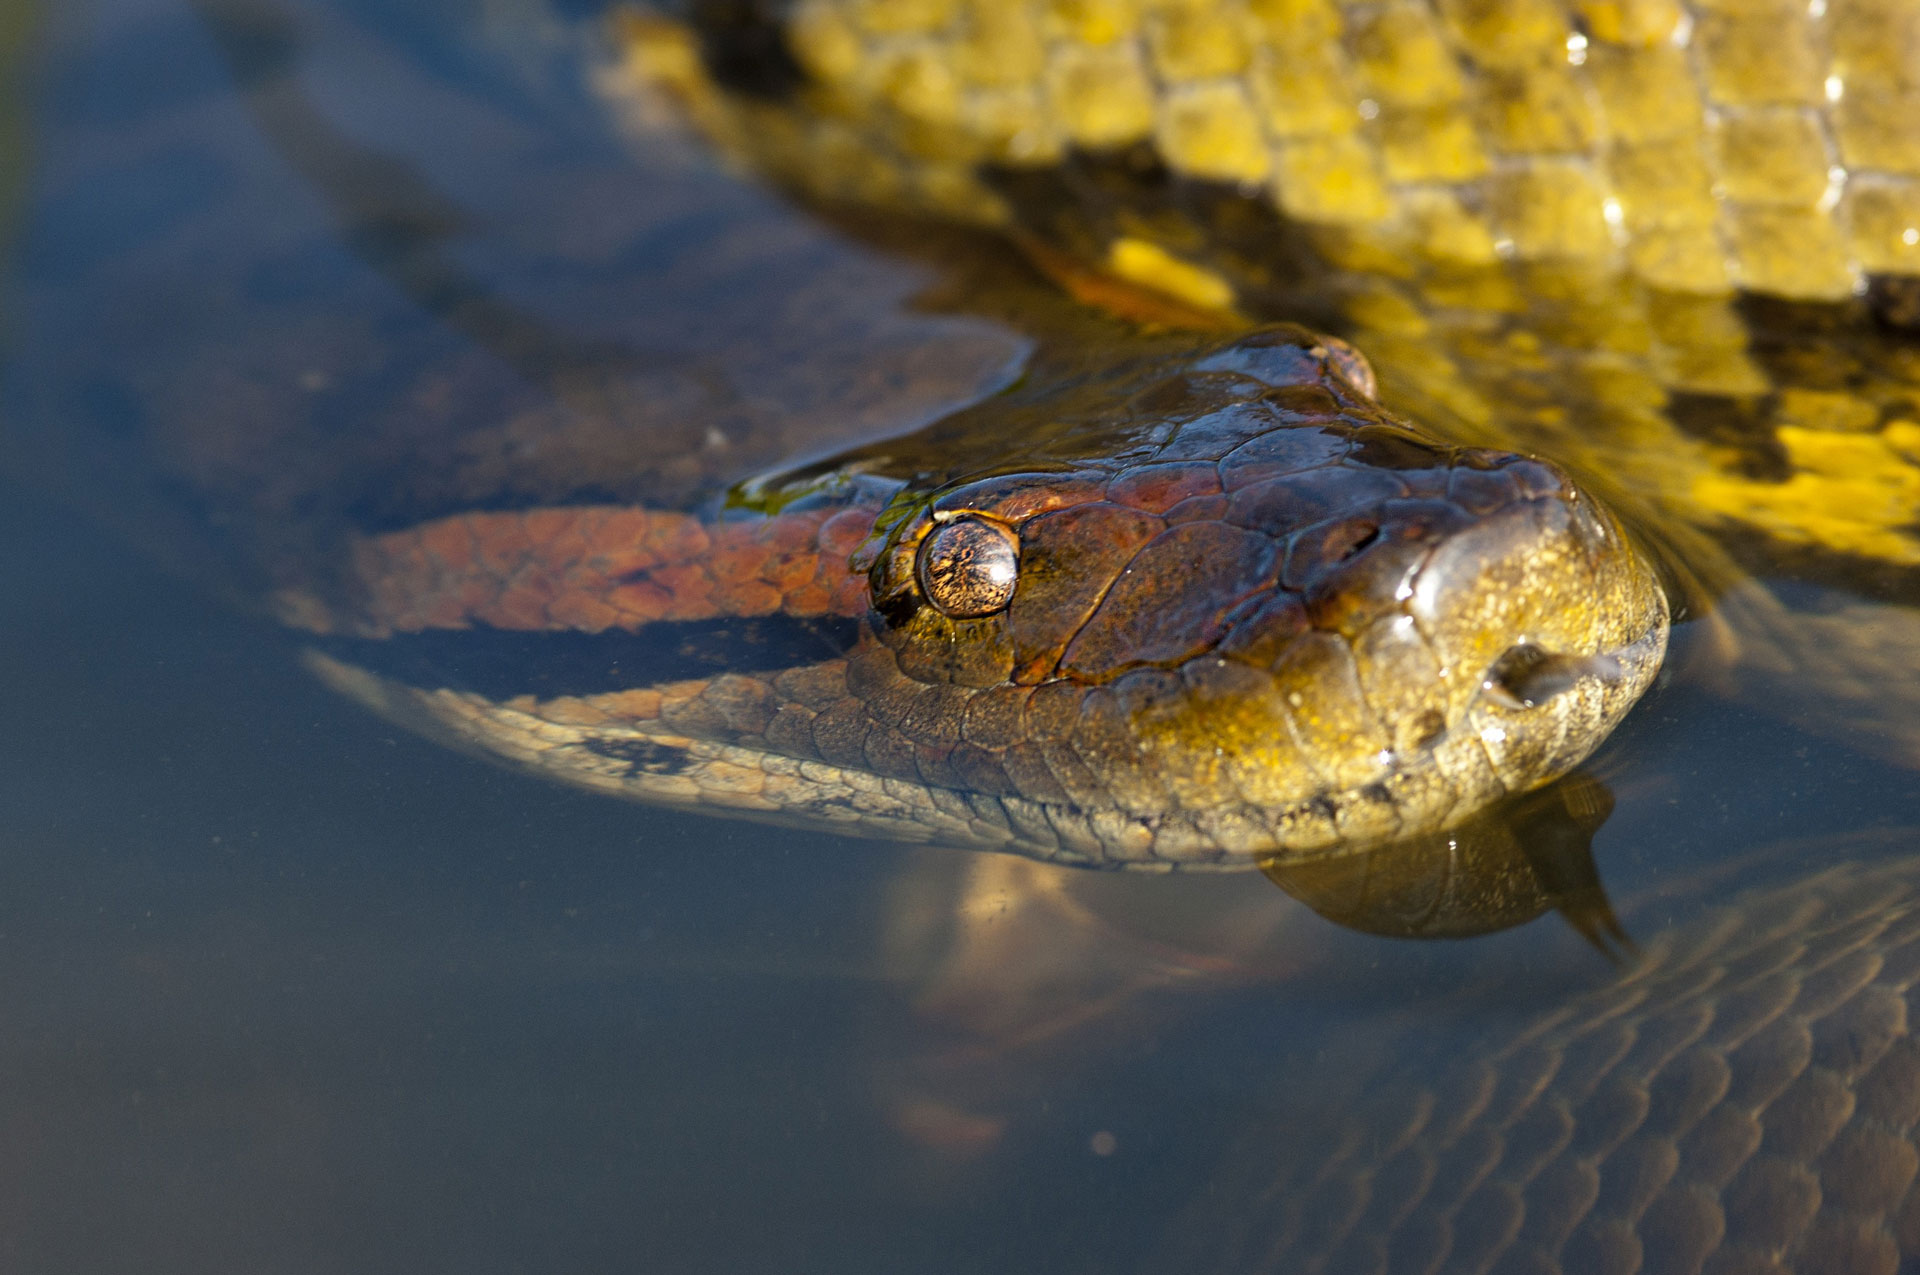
(1545, 625)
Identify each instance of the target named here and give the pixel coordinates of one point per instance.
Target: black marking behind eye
(648, 757)
(744, 46)
(501, 663)
(897, 609)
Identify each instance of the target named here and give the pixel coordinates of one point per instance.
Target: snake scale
(1671, 245)
(1745, 1100)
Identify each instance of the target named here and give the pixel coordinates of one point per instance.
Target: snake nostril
(1526, 676)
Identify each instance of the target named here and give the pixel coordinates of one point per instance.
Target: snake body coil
(1747, 1099)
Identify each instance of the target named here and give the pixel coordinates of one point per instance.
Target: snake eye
(968, 567)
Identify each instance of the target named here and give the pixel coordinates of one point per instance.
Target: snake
(1575, 229)
(1215, 606)
(1586, 292)
(1173, 629)
(1255, 616)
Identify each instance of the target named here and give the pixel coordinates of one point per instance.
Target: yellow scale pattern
(1757, 143)
(1527, 196)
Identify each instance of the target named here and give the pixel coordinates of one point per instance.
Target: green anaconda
(1189, 618)
(1570, 292)
(1167, 601)
(1235, 611)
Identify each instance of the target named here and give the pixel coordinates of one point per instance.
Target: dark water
(282, 989)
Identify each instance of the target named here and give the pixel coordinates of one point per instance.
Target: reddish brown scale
(1068, 561)
(1157, 488)
(1260, 633)
(596, 568)
(1171, 601)
(1199, 509)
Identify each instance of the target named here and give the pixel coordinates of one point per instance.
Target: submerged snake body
(1238, 611)
(1745, 1100)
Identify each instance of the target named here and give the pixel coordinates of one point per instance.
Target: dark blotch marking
(501, 663)
(1816, 345)
(644, 756)
(1895, 301)
(744, 45)
(1744, 425)
(1083, 203)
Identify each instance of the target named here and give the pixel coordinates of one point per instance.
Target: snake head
(1277, 610)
